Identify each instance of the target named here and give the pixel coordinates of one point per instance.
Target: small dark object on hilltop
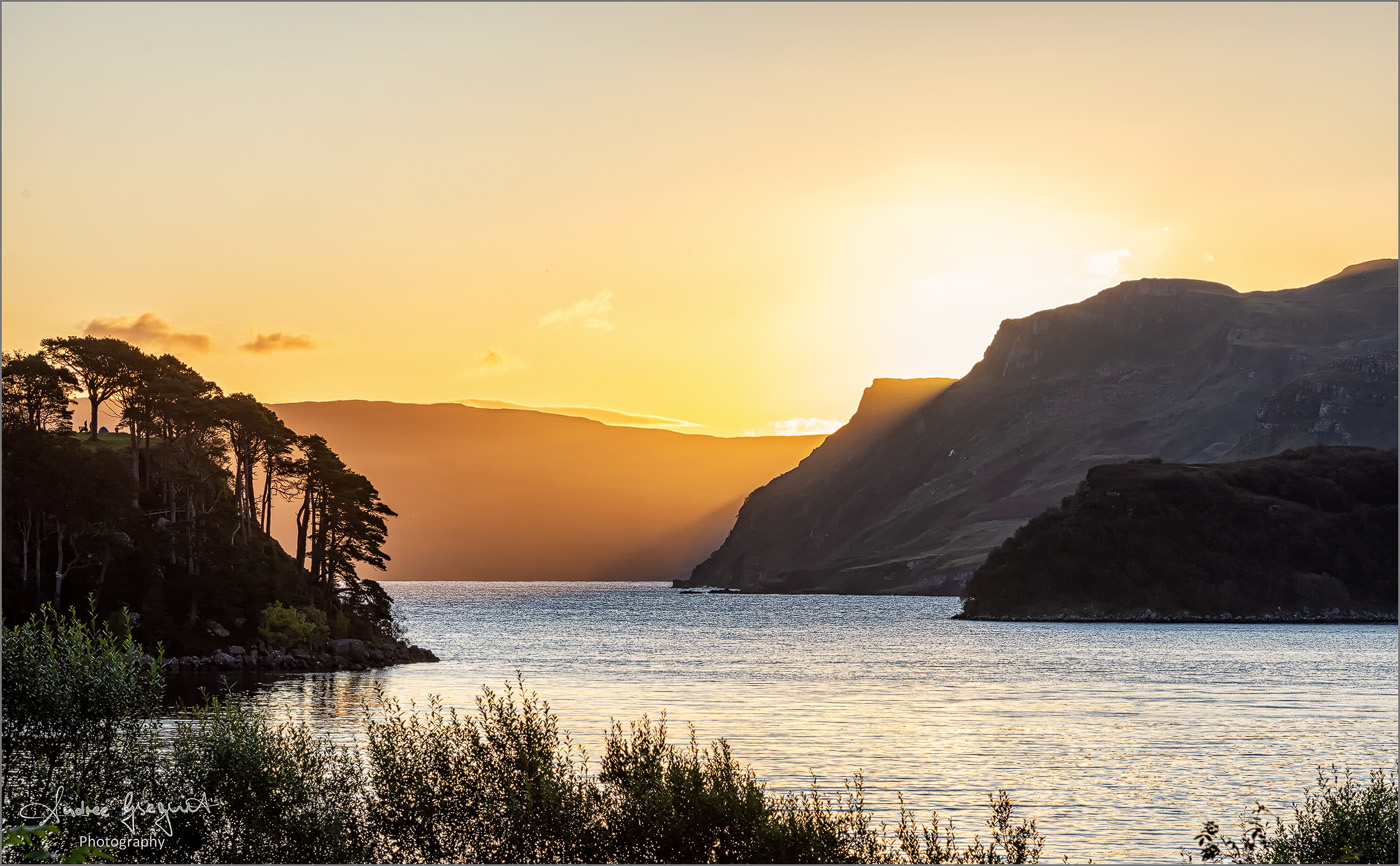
(1306, 536)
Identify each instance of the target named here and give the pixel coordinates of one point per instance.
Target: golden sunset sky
(732, 215)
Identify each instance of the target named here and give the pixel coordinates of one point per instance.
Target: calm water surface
(1120, 739)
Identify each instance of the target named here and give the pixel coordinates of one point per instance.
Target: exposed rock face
(1180, 369)
(1303, 536)
(1352, 401)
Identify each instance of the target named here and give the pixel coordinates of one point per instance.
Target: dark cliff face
(1305, 534)
(1170, 368)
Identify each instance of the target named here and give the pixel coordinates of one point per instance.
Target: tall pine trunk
(58, 572)
(266, 518)
(303, 525)
(191, 571)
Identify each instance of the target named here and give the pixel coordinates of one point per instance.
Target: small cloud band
(799, 427)
(263, 344)
(148, 331)
(586, 313)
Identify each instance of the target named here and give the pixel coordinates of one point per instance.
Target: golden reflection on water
(1121, 740)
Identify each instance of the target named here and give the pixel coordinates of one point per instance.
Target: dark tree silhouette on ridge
(102, 365)
(36, 394)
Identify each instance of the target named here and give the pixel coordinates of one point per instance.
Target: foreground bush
(82, 730)
(261, 792)
(1342, 821)
(77, 717)
(506, 785)
(501, 787)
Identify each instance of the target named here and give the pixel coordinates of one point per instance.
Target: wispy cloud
(1105, 264)
(612, 417)
(148, 331)
(277, 342)
(494, 363)
(1103, 269)
(799, 427)
(587, 313)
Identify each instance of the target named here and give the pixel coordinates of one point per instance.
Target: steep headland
(1184, 370)
(1304, 535)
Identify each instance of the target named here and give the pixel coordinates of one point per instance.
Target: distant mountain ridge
(1186, 370)
(515, 494)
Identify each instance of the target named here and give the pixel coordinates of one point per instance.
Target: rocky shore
(1328, 617)
(347, 654)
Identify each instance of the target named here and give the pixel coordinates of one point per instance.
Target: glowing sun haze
(731, 215)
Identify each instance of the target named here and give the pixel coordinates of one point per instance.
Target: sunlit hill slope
(501, 494)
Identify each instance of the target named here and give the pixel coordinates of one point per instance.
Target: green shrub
(502, 786)
(78, 698)
(1010, 842)
(678, 805)
(287, 627)
(82, 726)
(811, 827)
(1342, 821)
(340, 625)
(275, 793)
(505, 785)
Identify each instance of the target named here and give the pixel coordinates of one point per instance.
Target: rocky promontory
(346, 654)
(1305, 536)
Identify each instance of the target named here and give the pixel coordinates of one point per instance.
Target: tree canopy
(36, 394)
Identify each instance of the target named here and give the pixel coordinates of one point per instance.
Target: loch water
(1119, 739)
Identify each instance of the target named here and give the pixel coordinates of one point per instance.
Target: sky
(724, 218)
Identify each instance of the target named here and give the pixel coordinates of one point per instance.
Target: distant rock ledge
(346, 654)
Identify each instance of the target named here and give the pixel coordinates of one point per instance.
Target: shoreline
(1188, 619)
(345, 654)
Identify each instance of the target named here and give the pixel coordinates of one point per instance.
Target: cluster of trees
(171, 516)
